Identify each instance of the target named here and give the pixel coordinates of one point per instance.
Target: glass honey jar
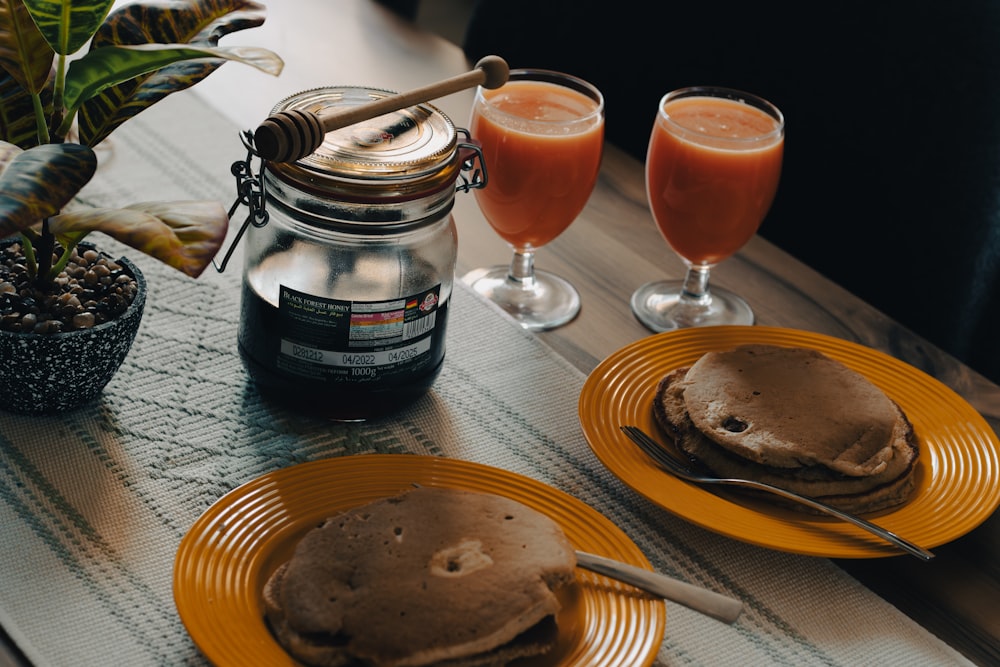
(349, 265)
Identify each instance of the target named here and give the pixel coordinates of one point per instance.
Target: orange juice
(542, 147)
(712, 171)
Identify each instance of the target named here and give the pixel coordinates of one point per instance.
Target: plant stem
(29, 254)
(45, 245)
(60, 83)
(58, 90)
(58, 267)
(41, 122)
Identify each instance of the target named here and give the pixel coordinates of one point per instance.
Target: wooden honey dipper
(290, 135)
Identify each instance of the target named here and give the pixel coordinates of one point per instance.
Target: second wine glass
(712, 171)
(542, 137)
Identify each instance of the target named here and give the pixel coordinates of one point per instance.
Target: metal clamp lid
(399, 155)
(251, 192)
(251, 188)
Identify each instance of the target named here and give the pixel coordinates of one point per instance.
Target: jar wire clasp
(250, 192)
(470, 152)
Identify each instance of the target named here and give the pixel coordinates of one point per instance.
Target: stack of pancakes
(432, 576)
(793, 418)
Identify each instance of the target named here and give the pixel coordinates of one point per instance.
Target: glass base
(544, 302)
(660, 307)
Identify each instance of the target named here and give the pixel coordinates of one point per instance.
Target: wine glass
(712, 170)
(542, 137)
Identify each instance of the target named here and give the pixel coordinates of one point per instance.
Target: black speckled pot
(46, 374)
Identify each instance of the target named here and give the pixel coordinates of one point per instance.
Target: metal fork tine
(652, 448)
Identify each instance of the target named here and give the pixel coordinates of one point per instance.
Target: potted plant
(56, 104)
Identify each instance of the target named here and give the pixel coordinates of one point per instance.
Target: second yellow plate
(958, 477)
(232, 549)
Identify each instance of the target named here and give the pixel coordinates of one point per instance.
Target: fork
(671, 464)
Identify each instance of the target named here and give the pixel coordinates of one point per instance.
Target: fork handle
(885, 534)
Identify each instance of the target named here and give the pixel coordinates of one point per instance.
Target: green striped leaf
(197, 24)
(68, 25)
(39, 182)
(24, 54)
(105, 67)
(194, 22)
(18, 123)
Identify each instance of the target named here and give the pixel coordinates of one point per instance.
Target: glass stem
(522, 269)
(695, 288)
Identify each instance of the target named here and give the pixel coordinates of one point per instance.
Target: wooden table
(613, 248)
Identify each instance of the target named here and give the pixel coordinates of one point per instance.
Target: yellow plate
(232, 549)
(957, 474)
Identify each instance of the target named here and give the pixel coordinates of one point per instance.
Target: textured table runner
(93, 504)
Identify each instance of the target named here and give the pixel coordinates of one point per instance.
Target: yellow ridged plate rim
(228, 554)
(957, 475)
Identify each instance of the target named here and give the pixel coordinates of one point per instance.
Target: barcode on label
(419, 326)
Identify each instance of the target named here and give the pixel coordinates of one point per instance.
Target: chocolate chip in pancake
(790, 407)
(428, 576)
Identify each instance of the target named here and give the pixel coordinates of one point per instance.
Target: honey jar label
(356, 340)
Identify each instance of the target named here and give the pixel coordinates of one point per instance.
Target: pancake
(432, 576)
(792, 407)
(890, 487)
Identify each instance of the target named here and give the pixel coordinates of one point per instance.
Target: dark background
(891, 180)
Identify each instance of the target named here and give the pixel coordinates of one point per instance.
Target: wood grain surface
(612, 249)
